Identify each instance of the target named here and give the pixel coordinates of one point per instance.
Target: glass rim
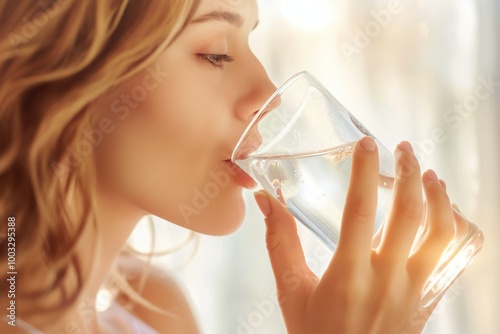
(259, 113)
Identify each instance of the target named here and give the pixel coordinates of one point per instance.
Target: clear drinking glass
(298, 147)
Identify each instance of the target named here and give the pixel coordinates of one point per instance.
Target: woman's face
(173, 126)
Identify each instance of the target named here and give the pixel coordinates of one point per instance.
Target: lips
(250, 143)
(239, 176)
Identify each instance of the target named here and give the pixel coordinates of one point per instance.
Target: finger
(358, 218)
(407, 206)
(455, 206)
(443, 184)
(438, 233)
(283, 244)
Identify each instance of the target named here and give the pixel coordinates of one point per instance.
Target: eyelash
(216, 60)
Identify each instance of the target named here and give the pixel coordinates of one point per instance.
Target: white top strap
(136, 325)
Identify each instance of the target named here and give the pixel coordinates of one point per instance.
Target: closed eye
(216, 60)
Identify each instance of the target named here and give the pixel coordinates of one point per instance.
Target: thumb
(283, 243)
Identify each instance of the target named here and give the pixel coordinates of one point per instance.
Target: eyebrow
(229, 17)
(223, 16)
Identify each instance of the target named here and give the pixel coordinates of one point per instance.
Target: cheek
(164, 156)
(151, 152)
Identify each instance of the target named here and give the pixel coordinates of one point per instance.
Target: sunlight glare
(309, 15)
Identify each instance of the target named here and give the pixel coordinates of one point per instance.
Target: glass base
(454, 261)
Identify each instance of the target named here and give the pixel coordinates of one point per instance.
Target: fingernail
(263, 202)
(405, 147)
(368, 144)
(431, 176)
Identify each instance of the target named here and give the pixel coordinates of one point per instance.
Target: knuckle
(407, 166)
(443, 224)
(412, 212)
(410, 209)
(273, 240)
(445, 233)
(362, 211)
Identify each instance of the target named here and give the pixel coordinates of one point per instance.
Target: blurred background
(424, 70)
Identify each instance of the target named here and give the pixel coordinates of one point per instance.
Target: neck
(115, 221)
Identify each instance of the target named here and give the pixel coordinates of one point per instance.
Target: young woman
(112, 110)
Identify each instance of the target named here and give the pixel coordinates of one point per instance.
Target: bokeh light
(310, 15)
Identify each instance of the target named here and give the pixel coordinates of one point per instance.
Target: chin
(222, 216)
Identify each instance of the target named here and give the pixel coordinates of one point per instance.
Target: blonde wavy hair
(56, 58)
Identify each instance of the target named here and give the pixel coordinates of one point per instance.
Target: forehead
(246, 9)
(206, 5)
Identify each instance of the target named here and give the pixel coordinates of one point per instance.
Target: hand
(364, 289)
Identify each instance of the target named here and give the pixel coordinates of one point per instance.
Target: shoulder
(161, 290)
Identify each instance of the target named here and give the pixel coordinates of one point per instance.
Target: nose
(256, 89)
